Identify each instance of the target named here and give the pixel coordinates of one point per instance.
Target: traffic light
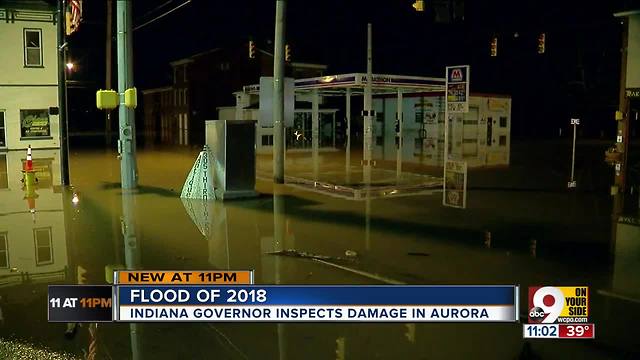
(541, 43)
(131, 98)
(494, 46)
(287, 53)
(107, 99)
(252, 50)
(419, 5)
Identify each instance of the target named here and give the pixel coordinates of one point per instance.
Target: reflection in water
(156, 230)
(132, 258)
(33, 247)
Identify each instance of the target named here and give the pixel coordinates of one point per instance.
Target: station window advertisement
(35, 123)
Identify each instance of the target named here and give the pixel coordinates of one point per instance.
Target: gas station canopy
(381, 84)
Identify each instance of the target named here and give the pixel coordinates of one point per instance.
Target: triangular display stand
(199, 183)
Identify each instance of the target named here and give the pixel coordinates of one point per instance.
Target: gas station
(411, 108)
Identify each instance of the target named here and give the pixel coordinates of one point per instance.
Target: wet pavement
(540, 234)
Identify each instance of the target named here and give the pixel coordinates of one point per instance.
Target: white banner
(318, 313)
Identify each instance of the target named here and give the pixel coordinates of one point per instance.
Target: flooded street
(518, 229)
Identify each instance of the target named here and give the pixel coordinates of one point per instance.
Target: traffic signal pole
(126, 115)
(278, 94)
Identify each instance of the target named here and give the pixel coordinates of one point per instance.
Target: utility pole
(278, 94)
(126, 115)
(108, 56)
(62, 94)
(368, 110)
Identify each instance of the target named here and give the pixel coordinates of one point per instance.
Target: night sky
(577, 76)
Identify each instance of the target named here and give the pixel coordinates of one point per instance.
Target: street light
(419, 5)
(70, 66)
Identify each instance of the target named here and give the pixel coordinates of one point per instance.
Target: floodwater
(540, 234)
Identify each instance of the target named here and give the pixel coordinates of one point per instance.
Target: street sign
(457, 84)
(455, 184)
(632, 92)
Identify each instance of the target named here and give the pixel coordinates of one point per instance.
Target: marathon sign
(457, 85)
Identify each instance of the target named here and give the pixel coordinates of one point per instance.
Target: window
(175, 97)
(419, 115)
(380, 116)
(3, 140)
(379, 140)
(184, 72)
(4, 251)
(34, 123)
(44, 251)
(225, 66)
(185, 96)
(33, 47)
(267, 140)
(503, 121)
(503, 140)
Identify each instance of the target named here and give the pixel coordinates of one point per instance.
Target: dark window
(503, 121)
(267, 140)
(4, 251)
(380, 116)
(379, 140)
(32, 47)
(503, 140)
(3, 140)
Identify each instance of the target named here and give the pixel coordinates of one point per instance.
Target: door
(3, 134)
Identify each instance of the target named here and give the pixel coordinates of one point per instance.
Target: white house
(28, 75)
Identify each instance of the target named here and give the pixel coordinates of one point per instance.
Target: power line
(161, 16)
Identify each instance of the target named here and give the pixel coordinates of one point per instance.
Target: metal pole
(348, 133)
(62, 95)
(315, 132)
(446, 140)
(126, 116)
(399, 134)
(573, 154)
(278, 94)
(368, 110)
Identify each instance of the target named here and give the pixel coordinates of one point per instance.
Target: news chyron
(558, 312)
(232, 296)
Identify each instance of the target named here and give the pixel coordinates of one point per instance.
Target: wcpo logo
(558, 304)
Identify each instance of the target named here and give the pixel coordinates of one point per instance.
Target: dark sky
(334, 31)
(582, 41)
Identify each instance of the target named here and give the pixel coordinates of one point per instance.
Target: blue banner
(316, 295)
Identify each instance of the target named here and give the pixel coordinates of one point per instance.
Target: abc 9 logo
(547, 305)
